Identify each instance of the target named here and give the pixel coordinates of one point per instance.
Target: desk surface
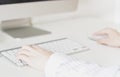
(77, 29)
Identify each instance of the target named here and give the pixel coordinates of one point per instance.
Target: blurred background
(108, 10)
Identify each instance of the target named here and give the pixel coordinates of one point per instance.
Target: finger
(24, 58)
(102, 32)
(111, 33)
(37, 47)
(33, 50)
(29, 48)
(25, 52)
(40, 50)
(104, 41)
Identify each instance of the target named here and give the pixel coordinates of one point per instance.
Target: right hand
(113, 37)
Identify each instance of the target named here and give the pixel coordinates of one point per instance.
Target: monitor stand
(21, 28)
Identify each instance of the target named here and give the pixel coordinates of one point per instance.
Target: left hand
(34, 56)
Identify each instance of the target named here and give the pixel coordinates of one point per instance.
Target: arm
(60, 65)
(68, 66)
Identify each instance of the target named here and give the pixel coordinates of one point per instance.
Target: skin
(37, 57)
(34, 56)
(113, 37)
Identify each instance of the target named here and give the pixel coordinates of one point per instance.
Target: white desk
(76, 29)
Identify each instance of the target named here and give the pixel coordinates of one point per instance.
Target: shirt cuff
(53, 63)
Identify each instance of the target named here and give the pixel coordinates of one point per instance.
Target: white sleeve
(60, 65)
(53, 63)
(118, 74)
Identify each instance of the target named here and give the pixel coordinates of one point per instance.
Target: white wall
(117, 12)
(99, 8)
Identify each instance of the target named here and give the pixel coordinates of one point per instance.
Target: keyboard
(63, 45)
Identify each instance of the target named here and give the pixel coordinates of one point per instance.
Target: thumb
(104, 41)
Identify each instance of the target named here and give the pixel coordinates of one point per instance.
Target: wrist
(49, 54)
(118, 42)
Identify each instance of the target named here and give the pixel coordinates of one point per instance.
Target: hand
(34, 56)
(113, 37)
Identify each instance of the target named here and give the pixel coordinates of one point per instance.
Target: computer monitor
(15, 15)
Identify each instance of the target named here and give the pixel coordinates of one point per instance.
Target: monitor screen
(17, 1)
